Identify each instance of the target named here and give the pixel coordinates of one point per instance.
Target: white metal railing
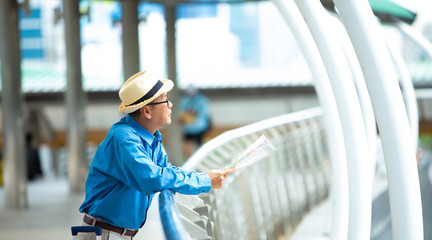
(265, 200)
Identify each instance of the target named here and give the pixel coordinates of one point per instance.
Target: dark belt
(104, 225)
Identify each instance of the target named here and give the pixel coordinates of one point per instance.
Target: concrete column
(75, 99)
(130, 38)
(14, 165)
(175, 154)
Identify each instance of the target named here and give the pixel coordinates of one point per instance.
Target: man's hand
(218, 175)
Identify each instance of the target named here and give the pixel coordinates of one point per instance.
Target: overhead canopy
(386, 10)
(392, 10)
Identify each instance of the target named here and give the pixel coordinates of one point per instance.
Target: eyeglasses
(155, 103)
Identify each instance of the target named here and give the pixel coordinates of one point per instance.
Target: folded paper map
(256, 152)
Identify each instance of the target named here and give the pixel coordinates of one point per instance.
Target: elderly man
(131, 165)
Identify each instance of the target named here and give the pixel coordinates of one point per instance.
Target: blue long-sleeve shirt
(129, 166)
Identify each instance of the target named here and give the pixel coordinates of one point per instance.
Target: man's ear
(146, 112)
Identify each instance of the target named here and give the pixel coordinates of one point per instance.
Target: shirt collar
(158, 136)
(144, 133)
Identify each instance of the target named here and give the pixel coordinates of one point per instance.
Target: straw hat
(141, 89)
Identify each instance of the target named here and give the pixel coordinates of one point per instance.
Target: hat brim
(166, 87)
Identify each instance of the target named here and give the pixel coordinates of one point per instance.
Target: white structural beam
(407, 89)
(365, 102)
(339, 179)
(357, 149)
(381, 80)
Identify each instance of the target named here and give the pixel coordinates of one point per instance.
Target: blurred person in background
(34, 169)
(131, 165)
(194, 117)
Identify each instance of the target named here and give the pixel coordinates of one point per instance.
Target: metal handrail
(173, 228)
(262, 200)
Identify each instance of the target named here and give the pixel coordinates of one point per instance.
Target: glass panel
(42, 47)
(101, 53)
(152, 38)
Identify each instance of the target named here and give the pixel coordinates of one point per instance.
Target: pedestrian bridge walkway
(53, 210)
(285, 196)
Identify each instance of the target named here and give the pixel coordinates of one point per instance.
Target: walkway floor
(53, 210)
(316, 225)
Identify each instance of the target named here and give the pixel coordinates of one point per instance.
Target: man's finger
(225, 172)
(229, 170)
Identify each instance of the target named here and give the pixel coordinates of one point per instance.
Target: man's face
(161, 111)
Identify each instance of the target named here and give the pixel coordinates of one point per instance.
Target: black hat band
(149, 94)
